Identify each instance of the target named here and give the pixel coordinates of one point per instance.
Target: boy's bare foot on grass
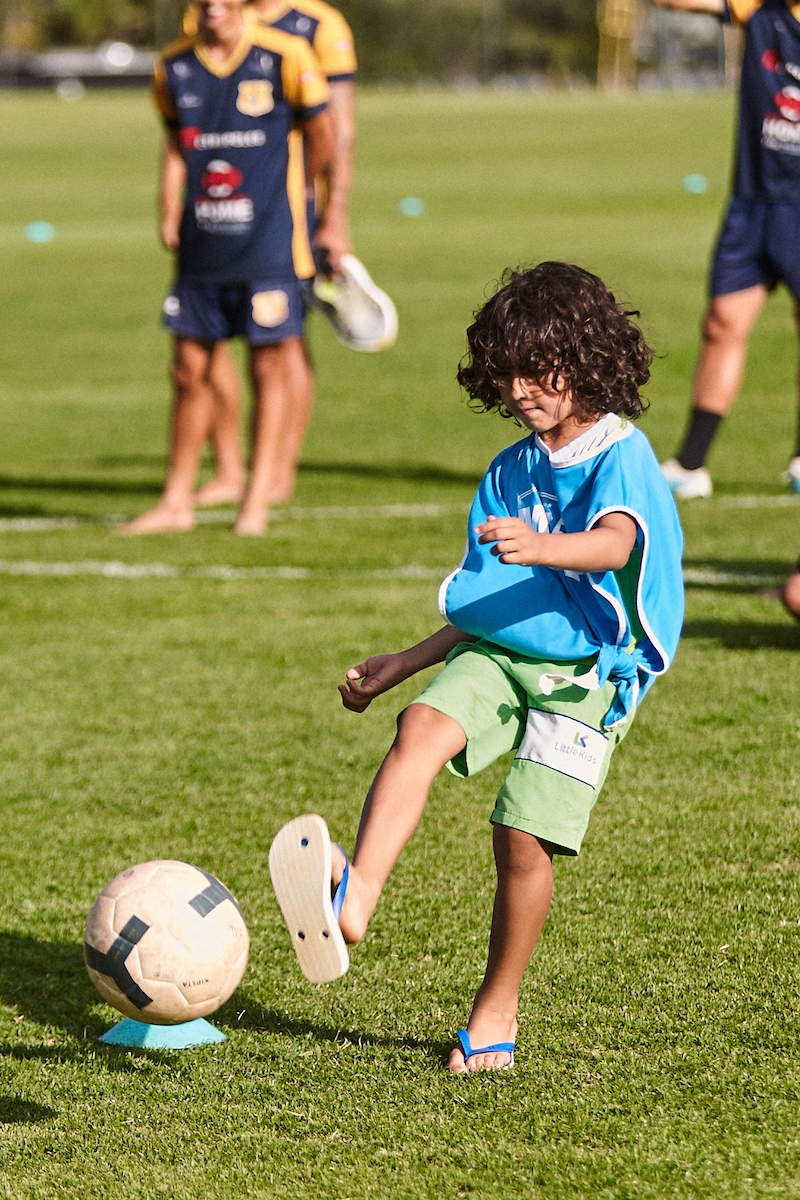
(486, 1028)
(161, 519)
(251, 524)
(219, 491)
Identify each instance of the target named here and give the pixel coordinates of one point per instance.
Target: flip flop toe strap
(468, 1050)
(341, 890)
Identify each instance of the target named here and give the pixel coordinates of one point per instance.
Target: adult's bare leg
(790, 595)
(191, 414)
(727, 326)
(227, 485)
(272, 397)
(524, 889)
(300, 382)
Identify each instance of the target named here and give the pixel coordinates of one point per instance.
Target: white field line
(364, 512)
(223, 516)
(157, 570)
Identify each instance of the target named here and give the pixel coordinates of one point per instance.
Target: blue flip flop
(499, 1047)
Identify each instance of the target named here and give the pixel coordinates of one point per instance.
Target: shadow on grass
(95, 486)
(14, 1111)
(749, 635)
(263, 1020)
(418, 474)
(47, 982)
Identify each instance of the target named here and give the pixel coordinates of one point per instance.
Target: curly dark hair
(557, 322)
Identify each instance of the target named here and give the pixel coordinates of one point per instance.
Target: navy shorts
(263, 313)
(759, 244)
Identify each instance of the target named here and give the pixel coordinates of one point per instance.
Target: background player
(327, 32)
(233, 205)
(759, 245)
(790, 594)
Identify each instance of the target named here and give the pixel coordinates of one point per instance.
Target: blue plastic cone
(162, 1037)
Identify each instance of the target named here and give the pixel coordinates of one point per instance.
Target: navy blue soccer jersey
(244, 216)
(768, 152)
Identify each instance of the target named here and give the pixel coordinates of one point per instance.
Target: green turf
(184, 715)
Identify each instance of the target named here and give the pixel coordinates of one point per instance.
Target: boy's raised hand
(369, 679)
(515, 541)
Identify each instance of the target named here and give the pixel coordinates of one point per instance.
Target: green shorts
(563, 751)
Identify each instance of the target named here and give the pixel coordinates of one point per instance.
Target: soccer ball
(165, 942)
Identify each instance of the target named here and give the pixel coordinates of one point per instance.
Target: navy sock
(699, 436)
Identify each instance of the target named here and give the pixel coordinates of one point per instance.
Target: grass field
(175, 697)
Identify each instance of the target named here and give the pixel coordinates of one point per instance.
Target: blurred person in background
(791, 593)
(759, 246)
(233, 206)
(329, 36)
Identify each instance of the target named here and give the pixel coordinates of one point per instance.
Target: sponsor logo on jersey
(255, 97)
(193, 138)
(270, 309)
(219, 210)
(779, 134)
(224, 216)
(787, 102)
(220, 179)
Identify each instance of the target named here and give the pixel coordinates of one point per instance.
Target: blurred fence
(512, 43)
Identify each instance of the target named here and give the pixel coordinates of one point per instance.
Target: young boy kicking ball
(568, 603)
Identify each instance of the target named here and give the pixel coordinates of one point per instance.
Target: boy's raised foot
(161, 519)
(687, 485)
(218, 491)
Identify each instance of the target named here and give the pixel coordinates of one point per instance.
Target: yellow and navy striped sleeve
(333, 43)
(304, 85)
(739, 12)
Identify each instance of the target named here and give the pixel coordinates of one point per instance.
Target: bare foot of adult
(358, 904)
(161, 519)
(486, 1028)
(219, 491)
(251, 524)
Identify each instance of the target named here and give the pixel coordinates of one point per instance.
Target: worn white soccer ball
(165, 942)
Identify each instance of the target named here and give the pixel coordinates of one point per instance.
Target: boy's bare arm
(717, 7)
(606, 547)
(384, 671)
(173, 184)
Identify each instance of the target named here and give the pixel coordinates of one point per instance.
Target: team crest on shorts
(270, 309)
(255, 97)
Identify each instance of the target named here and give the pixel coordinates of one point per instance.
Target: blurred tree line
(402, 40)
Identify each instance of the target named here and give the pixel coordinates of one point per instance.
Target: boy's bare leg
(426, 739)
(524, 889)
(228, 482)
(191, 414)
(301, 389)
(726, 329)
(272, 397)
